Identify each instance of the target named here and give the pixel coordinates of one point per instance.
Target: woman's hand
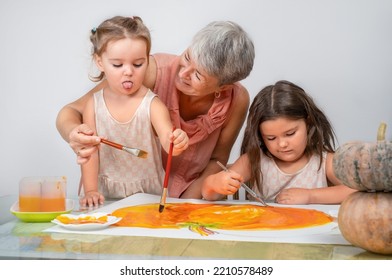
(83, 142)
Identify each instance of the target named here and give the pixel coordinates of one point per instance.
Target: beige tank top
(120, 173)
(275, 180)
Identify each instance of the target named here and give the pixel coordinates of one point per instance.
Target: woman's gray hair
(224, 50)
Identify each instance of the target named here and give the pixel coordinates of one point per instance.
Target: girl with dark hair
(286, 154)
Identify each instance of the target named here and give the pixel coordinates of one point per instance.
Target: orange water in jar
(53, 204)
(42, 194)
(53, 194)
(29, 204)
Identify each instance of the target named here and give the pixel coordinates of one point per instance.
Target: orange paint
(83, 220)
(198, 217)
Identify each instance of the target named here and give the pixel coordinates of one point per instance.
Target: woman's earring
(217, 94)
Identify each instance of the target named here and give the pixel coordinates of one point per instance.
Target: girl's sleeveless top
(275, 180)
(120, 173)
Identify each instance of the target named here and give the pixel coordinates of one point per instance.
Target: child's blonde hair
(118, 28)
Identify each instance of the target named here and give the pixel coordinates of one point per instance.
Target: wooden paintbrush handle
(168, 164)
(110, 143)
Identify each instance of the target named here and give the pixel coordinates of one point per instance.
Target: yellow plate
(40, 217)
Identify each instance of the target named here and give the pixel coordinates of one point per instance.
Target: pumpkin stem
(381, 131)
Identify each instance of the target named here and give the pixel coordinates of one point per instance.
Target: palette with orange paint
(206, 218)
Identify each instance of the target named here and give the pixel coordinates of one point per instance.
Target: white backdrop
(339, 51)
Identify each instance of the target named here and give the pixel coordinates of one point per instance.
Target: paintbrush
(249, 190)
(132, 151)
(166, 180)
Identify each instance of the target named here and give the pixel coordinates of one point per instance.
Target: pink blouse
(203, 131)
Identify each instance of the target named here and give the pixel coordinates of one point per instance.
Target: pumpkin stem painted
(381, 131)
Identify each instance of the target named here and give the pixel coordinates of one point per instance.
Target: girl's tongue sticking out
(127, 85)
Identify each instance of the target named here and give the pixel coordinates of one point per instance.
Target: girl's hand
(92, 199)
(226, 183)
(293, 196)
(180, 141)
(83, 142)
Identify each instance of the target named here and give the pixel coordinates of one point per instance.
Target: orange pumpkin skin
(365, 220)
(365, 166)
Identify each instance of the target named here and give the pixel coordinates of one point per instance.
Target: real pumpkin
(365, 217)
(365, 166)
(365, 220)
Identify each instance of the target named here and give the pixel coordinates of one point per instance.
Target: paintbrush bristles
(136, 152)
(161, 207)
(142, 154)
(163, 200)
(133, 151)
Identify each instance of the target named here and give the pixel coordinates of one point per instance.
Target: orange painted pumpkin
(365, 217)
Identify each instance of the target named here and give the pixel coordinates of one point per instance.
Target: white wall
(337, 50)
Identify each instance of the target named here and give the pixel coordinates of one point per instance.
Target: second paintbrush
(133, 151)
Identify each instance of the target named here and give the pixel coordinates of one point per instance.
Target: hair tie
(94, 30)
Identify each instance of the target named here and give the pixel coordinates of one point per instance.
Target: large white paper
(326, 234)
